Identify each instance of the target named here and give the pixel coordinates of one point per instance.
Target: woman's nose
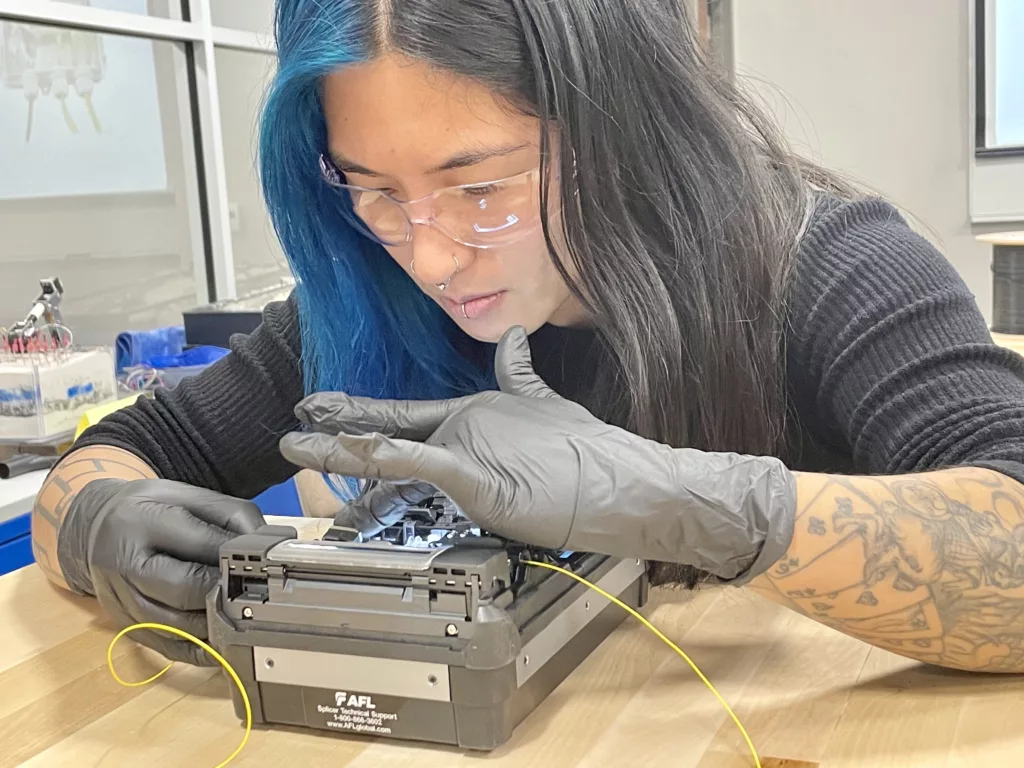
(436, 258)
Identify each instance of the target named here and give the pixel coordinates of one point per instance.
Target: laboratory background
(134, 240)
(128, 167)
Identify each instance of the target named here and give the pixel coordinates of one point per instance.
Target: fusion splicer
(433, 630)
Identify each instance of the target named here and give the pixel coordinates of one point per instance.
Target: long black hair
(681, 206)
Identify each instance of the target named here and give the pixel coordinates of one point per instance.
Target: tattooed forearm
(929, 566)
(57, 493)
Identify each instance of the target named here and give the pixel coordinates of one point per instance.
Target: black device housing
(453, 644)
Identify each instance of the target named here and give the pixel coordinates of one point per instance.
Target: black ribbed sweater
(891, 369)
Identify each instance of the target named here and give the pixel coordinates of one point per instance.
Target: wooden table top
(807, 695)
(1010, 341)
(1015, 237)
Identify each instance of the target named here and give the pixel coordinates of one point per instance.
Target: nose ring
(440, 286)
(446, 283)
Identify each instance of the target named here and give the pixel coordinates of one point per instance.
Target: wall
(878, 90)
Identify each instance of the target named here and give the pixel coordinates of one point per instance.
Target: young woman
(550, 263)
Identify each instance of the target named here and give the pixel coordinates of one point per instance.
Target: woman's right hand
(381, 505)
(149, 552)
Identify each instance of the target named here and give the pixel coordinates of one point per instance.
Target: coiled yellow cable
(248, 709)
(192, 639)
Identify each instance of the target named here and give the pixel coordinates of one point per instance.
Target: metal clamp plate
(366, 674)
(346, 554)
(570, 622)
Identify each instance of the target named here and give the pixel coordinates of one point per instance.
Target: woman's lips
(473, 307)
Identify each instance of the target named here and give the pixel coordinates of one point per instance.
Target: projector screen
(105, 136)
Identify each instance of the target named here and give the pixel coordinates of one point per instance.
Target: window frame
(198, 41)
(984, 63)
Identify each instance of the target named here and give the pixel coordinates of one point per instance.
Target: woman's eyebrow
(463, 159)
(474, 156)
(348, 166)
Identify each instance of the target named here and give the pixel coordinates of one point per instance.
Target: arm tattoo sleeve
(65, 481)
(929, 566)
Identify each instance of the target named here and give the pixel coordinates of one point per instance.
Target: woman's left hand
(529, 465)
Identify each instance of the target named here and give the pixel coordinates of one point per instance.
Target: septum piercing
(440, 286)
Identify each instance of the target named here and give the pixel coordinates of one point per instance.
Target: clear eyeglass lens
(485, 215)
(382, 215)
(490, 214)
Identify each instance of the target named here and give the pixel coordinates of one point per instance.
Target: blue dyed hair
(680, 204)
(367, 329)
(681, 207)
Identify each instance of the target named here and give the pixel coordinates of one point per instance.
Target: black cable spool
(1008, 289)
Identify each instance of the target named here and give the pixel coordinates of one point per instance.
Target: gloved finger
(377, 457)
(185, 537)
(173, 648)
(176, 584)
(143, 609)
(382, 505)
(336, 412)
(236, 515)
(127, 607)
(513, 366)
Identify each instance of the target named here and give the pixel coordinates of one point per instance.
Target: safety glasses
(483, 215)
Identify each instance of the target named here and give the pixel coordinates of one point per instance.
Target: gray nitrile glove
(382, 504)
(529, 465)
(149, 551)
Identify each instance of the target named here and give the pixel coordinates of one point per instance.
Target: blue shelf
(15, 544)
(280, 499)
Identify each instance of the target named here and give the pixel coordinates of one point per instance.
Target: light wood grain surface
(808, 696)
(1010, 341)
(1003, 238)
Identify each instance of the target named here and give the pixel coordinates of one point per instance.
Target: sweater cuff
(1012, 469)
